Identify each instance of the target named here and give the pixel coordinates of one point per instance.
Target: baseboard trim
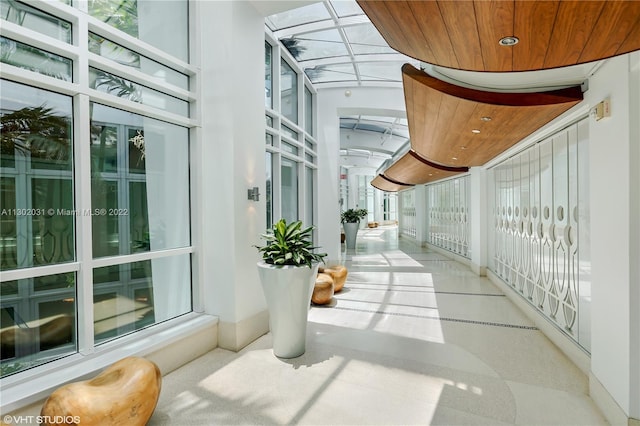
(236, 335)
(454, 256)
(610, 409)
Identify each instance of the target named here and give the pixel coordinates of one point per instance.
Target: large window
(94, 199)
(268, 76)
(290, 146)
(289, 178)
(147, 21)
(37, 227)
(288, 92)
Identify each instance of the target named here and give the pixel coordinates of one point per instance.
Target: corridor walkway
(413, 338)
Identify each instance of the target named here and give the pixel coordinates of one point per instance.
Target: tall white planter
(288, 291)
(350, 233)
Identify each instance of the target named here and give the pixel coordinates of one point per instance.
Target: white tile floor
(414, 338)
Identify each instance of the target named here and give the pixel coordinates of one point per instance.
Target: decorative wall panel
(540, 228)
(448, 215)
(408, 213)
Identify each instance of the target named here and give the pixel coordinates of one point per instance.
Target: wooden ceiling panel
(500, 120)
(629, 45)
(569, 39)
(615, 24)
(433, 30)
(458, 17)
(464, 34)
(414, 169)
(494, 29)
(532, 17)
(384, 184)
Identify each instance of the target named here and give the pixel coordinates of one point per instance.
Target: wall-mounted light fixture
(253, 194)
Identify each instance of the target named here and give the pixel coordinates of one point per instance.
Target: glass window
(34, 59)
(110, 50)
(37, 325)
(37, 220)
(309, 197)
(287, 147)
(308, 111)
(309, 144)
(35, 20)
(134, 295)
(311, 13)
(289, 190)
(148, 20)
(269, 164)
(365, 39)
(269, 121)
(268, 75)
(290, 132)
(319, 44)
(387, 71)
(140, 183)
(288, 92)
(268, 139)
(329, 73)
(310, 158)
(123, 88)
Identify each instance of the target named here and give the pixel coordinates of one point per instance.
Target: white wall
(232, 161)
(614, 350)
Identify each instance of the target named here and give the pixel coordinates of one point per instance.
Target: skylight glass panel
(346, 8)
(378, 118)
(381, 71)
(312, 13)
(365, 39)
(319, 44)
(331, 73)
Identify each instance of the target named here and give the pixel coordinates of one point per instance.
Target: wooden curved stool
(322, 290)
(126, 393)
(339, 275)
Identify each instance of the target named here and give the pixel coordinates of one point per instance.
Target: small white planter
(351, 233)
(288, 291)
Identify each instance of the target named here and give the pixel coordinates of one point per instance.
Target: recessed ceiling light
(454, 158)
(509, 41)
(476, 131)
(485, 118)
(463, 147)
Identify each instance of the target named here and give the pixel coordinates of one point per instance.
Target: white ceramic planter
(350, 233)
(288, 291)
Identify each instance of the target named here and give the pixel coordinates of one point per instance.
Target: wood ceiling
(384, 184)
(465, 34)
(453, 128)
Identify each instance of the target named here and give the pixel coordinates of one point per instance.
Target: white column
(232, 161)
(614, 201)
(478, 216)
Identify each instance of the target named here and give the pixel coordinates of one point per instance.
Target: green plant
(353, 215)
(289, 245)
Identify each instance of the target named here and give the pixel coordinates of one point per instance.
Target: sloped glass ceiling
(336, 44)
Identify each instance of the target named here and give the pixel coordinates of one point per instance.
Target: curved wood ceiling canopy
(465, 34)
(453, 128)
(384, 184)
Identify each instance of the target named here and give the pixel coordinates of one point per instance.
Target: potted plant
(288, 272)
(351, 222)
